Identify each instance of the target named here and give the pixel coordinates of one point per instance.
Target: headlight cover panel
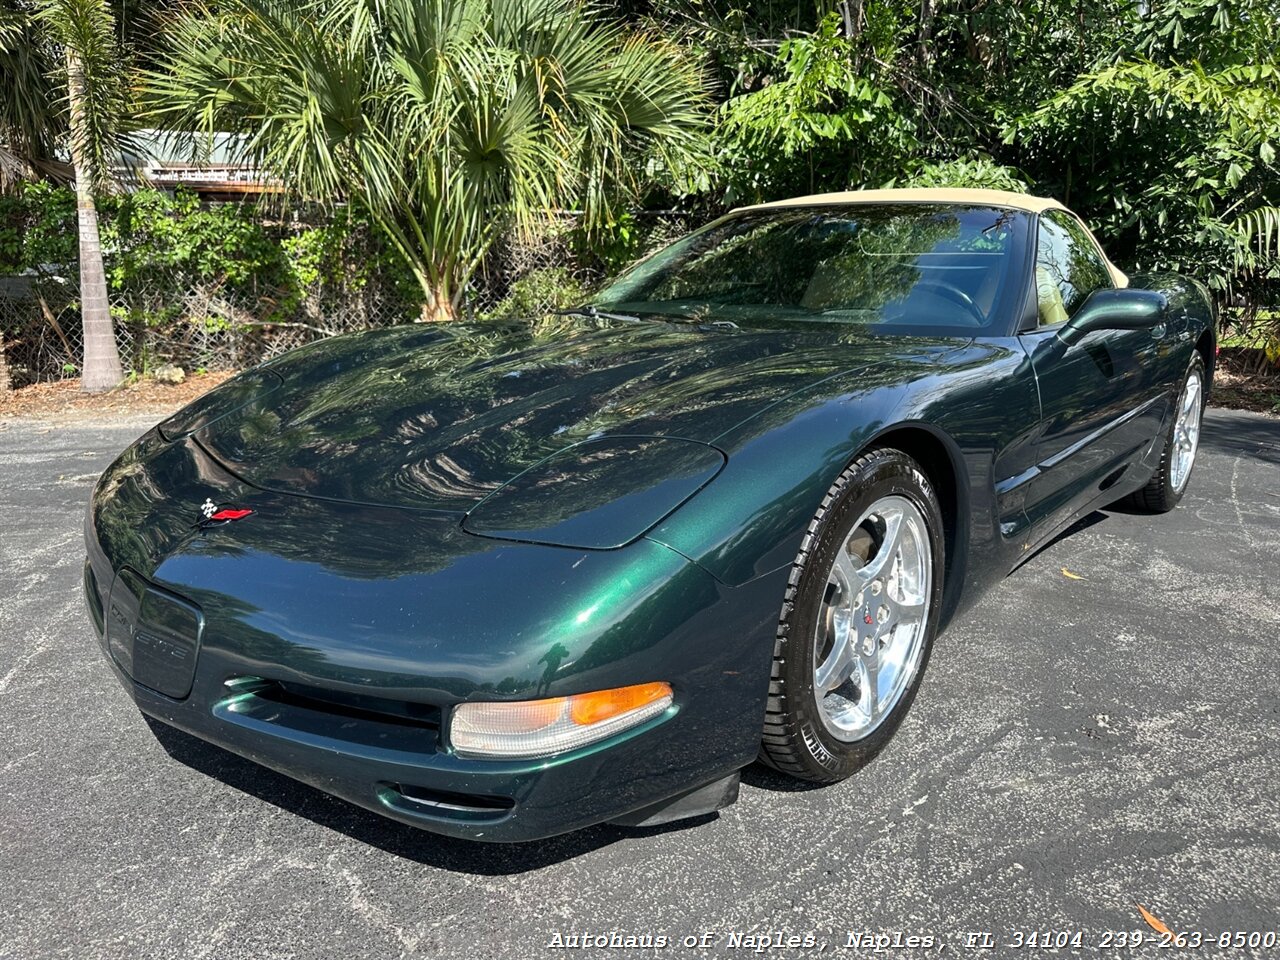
(226, 398)
(599, 494)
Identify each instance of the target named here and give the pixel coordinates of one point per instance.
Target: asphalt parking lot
(1102, 732)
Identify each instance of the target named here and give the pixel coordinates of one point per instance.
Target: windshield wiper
(595, 313)
(700, 323)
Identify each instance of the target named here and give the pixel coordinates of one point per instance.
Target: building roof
(151, 147)
(213, 165)
(995, 198)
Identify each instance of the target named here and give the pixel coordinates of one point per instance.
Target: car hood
(439, 417)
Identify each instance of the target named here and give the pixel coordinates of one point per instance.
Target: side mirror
(1115, 310)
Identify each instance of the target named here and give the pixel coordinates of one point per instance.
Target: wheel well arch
(1207, 346)
(940, 459)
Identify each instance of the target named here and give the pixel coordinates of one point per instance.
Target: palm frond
(13, 169)
(96, 94)
(32, 119)
(1260, 229)
(11, 24)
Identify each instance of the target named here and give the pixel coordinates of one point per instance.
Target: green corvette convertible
(503, 581)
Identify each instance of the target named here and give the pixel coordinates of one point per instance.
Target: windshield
(909, 268)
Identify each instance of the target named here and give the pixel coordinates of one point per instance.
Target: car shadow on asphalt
(401, 840)
(1090, 519)
(764, 778)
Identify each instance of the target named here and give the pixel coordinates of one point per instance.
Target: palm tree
(84, 30)
(448, 121)
(28, 126)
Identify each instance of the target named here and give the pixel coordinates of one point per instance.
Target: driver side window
(1068, 267)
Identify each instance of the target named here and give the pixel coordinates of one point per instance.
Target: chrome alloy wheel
(871, 627)
(1186, 431)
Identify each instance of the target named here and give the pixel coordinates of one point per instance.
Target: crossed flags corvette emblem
(213, 515)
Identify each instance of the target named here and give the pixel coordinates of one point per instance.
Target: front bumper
(334, 639)
(430, 788)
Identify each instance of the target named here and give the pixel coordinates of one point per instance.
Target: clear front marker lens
(528, 729)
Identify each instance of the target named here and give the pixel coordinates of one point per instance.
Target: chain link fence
(164, 318)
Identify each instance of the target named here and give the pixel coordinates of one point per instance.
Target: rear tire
(858, 620)
(1181, 444)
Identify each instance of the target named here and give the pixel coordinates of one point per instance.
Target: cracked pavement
(1102, 731)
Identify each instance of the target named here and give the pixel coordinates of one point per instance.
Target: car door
(1099, 398)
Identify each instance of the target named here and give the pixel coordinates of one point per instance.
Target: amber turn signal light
(542, 728)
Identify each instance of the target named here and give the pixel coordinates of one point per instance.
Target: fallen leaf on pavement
(1154, 922)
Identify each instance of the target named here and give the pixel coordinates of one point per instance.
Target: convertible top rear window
(907, 268)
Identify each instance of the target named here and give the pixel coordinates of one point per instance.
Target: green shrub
(37, 228)
(538, 291)
(159, 248)
(979, 172)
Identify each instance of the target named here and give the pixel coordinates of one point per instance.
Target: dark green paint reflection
(439, 420)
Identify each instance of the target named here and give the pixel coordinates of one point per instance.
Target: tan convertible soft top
(994, 198)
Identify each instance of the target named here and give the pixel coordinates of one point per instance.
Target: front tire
(1181, 443)
(858, 620)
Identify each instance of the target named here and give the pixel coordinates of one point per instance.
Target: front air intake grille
(354, 706)
(358, 722)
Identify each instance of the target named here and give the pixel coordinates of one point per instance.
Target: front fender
(781, 463)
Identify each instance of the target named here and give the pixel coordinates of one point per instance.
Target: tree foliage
(1157, 121)
(845, 104)
(450, 121)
